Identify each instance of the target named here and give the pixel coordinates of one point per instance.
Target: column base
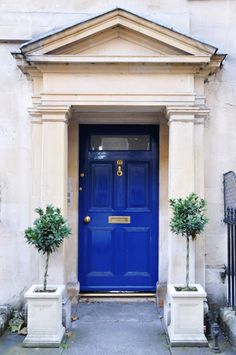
(46, 341)
(161, 289)
(193, 342)
(73, 291)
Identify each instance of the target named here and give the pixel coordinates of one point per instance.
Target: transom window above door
(120, 142)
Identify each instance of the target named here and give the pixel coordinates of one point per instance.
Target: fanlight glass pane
(122, 142)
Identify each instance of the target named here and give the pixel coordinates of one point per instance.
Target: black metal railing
(230, 220)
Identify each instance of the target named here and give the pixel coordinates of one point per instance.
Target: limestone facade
(44, 100)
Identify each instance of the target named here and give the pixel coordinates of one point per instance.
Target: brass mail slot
(119, 219)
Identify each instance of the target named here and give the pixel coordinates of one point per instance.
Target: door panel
(100, 262)
(101, 187)
(137, 239)
(138, 185)
(119, 180)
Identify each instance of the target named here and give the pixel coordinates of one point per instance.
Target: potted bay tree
(44, 302)
(186, 301)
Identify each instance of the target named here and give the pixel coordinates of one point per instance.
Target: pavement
(121, 327)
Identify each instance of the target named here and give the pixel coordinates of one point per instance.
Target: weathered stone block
(5, 315)
(228, 322)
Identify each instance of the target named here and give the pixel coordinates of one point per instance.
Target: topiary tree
(189, 220)
(47, 234)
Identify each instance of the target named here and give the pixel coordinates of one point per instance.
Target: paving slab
(107, 328)
(225, 348)
(11, 344)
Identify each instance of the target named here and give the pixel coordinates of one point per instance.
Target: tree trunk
(187, 264)
(46, 274)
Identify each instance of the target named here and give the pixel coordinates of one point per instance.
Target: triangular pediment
(117, 32)
(118, 36)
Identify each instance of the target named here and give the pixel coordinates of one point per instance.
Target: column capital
(180, 113)
(52, 113)
(186, 114)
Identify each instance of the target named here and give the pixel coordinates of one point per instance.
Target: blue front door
(118, 204)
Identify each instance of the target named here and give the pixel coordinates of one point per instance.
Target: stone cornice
(183, 59)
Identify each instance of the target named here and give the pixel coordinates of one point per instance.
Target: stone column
(180, 183)
(54, 172)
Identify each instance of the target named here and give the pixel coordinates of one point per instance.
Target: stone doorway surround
(117, 63)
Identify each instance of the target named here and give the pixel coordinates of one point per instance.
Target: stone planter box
(186, 319)
(44, 318)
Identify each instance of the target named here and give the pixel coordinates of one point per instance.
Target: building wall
(211, 21)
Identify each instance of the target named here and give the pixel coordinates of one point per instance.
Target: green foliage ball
(49, 230)
(189, 217)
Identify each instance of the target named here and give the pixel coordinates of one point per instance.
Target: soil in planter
(186, 289)
(47, 291)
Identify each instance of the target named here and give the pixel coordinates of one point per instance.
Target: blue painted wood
(118, 257)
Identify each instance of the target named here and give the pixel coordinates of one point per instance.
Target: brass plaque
(119, 219)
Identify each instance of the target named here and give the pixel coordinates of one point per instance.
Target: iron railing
(230, 220)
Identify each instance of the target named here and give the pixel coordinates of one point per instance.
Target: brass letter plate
(119, 219)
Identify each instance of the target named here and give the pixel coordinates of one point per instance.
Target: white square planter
(186, 320)
(44, 320)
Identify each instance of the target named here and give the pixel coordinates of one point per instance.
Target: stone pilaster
(50, 173)
(55, 159)
(36, 120)
(36, 163)
(200, 119)
(180, 183)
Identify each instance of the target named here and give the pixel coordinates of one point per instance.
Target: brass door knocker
(119, 167)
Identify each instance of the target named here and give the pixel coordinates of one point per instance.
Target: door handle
(87, 219)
